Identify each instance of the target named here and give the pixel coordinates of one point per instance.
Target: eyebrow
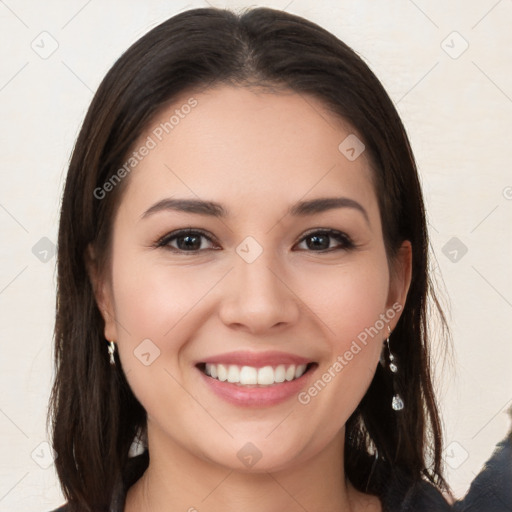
(213, 209)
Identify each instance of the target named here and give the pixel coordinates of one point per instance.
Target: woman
(242, 281)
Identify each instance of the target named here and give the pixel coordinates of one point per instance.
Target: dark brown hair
(93, 411)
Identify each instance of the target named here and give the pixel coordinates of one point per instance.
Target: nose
(257, 297)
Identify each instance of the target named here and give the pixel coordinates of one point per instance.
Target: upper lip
(256, 359)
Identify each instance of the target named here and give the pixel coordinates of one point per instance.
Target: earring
(397, 402)
(111, 351)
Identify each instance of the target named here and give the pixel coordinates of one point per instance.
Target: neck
(177, 479)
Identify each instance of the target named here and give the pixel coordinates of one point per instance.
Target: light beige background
(457, 108)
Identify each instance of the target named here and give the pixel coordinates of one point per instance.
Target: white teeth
(279, 373)
(222, 372)
(233, 374)
(248, 375)
(300, 370)
(213, 371)
(265, 376)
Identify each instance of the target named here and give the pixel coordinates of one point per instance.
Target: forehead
(248, 147)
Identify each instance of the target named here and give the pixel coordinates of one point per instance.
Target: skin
(255, 153)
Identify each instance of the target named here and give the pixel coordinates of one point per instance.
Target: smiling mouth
(250, 376)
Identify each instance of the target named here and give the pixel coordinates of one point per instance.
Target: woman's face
(260, 284)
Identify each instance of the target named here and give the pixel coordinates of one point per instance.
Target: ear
(102, 293)
(400, 278)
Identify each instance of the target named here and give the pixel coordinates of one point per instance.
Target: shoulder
(423, 496)
(491, 490)
(406, 495)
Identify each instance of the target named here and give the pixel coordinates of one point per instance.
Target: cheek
(151, 299)
(351, 304)
(349, 299)
(155, 308)
(159, 309)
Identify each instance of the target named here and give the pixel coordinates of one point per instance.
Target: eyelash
(345, 241)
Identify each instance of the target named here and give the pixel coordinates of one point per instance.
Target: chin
(257, 456)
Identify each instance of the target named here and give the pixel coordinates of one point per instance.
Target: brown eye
(185, 241)
(321, 240)
(188, 242)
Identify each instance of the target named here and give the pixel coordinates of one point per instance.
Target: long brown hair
(93, 412)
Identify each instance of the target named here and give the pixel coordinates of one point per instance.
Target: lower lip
(257, 396)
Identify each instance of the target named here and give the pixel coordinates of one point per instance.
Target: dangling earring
(397, 402)
(111, 351)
